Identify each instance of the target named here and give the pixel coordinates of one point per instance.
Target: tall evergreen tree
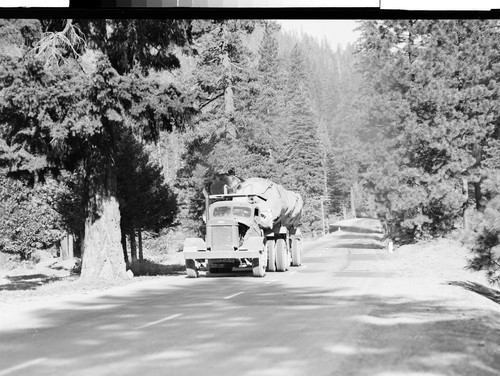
(483, 237)
(59, 110)
(303, 168)
(223, 79)
(265, 135)
(146, 202)
(434, 108)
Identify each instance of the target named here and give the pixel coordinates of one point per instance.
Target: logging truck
(250, 225)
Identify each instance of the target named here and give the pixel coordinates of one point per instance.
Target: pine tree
(303, 169)
(483, 237)
(224, 82)
(264, 138)
(146, 202)
(61, 108)
(433, 110)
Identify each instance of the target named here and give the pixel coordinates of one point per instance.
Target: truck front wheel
(259, 267)
(191, 269)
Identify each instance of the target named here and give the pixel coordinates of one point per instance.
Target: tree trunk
(64, 248)
(103, 254)
(133, 246)
(353, 204)
(82, 244)
(465, 192)
(323, 216)
(124, 247)
(477, 153)
(103, 257)
(71, 245)
(139, 237)
(67, 247)
(478, 195)
(229, 98)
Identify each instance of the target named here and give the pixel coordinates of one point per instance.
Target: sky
(337, 32)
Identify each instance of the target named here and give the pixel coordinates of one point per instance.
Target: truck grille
(222, 239)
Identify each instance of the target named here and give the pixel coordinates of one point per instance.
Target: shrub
(28, 221)
(484, 236)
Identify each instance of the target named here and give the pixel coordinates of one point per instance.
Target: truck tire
(191, 270)
(271, 255)
(296, 252)
(259, 266)
(282, 262)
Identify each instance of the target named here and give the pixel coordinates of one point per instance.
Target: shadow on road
(355, 240)
(179, 328)
(151, 268)
(358, 236)
(355, 229)
(28, 281)
(357, 245)
(480, 289)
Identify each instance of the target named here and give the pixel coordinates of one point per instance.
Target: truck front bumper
(220, 255)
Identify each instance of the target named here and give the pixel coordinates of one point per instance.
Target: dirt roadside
(53, 278)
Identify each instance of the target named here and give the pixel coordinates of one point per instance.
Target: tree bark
(103, 257)
(103, 253)
(353, 204)
(71, 244)
(133, 246)
(477, 153)
(139, 237)
(478, 195)
(64, 248)
(465, 191)
(124, 247)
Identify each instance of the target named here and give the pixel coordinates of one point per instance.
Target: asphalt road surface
(346, 311)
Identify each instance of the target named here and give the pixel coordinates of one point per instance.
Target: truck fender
(296, 233)
(194, 244)
(265, 219)
(283, 230)
(253, 243)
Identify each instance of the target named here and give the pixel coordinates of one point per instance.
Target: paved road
(346, 311)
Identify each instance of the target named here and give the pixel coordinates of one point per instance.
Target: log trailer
(252, 225)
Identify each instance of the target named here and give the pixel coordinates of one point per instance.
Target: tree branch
(210, 101)
(49, 46)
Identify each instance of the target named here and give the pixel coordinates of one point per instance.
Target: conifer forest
(111, 129)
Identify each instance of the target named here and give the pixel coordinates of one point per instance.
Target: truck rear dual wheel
(282, 260)
(296, 252)
(271, 256)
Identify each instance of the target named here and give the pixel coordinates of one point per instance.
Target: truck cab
(241, 234)
(234, 239)
(229, 224)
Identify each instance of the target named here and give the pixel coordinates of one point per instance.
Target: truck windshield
(222, 211)
(241, 211)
